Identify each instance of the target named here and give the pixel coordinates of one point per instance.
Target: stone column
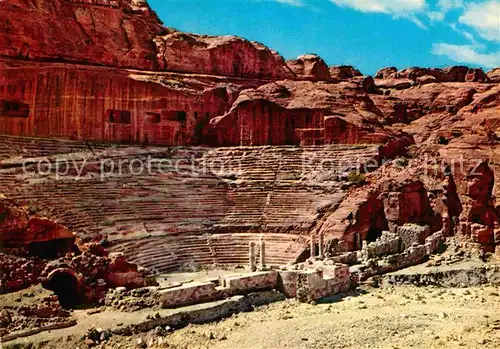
(321, 242)
(262, 254)
(251, 257)
(313, 246)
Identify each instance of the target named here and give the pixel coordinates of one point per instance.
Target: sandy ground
(400, 317)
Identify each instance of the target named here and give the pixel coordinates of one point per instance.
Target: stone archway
(66, 284)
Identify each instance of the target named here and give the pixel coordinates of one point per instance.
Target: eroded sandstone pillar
(262, 254)
(251, 257)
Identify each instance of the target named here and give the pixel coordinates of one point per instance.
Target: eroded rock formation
(219, 55)
(111, 33)
(494, 75)
(20, 229)
(391, 77)
(36, 249)
(310, 67)
(302, 112)
(86, 277)
(344, 72)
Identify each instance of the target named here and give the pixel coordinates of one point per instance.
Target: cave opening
(119, 116)
(65, 285)
(153, 118)
(51, 249)
(14, 109)
(181, 116)
(176, 115)
(373, 234)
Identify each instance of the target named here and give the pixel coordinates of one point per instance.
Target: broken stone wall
(189, 294)
(387, 244)
(252, 282)
(310, 285)
(412, 234)
(415, 254)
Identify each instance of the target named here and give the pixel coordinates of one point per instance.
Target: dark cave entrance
(14, 109)
(66, 286)
(51, 249)
(373, 234)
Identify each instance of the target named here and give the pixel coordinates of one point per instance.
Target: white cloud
(395, 7)
(469, 36)
(465, 33)
(467, 54)
(418, 22)
(291, 2)
(442, 8)
(435, 15)
(484, 18)
(447, 5)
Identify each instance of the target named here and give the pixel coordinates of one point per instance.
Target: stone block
(411, 234)
(251, 282)
(189, 294)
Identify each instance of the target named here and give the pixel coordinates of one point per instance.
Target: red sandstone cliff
(310, 67)
(453, 164)
(35, 248)
(125, 34)
(302, 112)
(219, 55)
(113, 33)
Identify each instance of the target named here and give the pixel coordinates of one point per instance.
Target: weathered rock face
(455, 127)
(99, 104)
(112, 33)
(476, 75)
(381, 206)
(480, 218)
(125, 34)
(390, 78)
(31, 246)
(455, 73)
(121, 273)
(27, 242)
(310, 67)
(13, 220)
(219, 55)
(494, 75)
(19, 272)
(395, 110)
(385, 73)
(301, 112)
(344, 72)
(95, 103)
(408, 203)
(18, 228)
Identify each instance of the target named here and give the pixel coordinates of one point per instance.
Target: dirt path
(402, 317)
(399, 317)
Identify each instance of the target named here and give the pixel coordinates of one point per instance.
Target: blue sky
(368, 34)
